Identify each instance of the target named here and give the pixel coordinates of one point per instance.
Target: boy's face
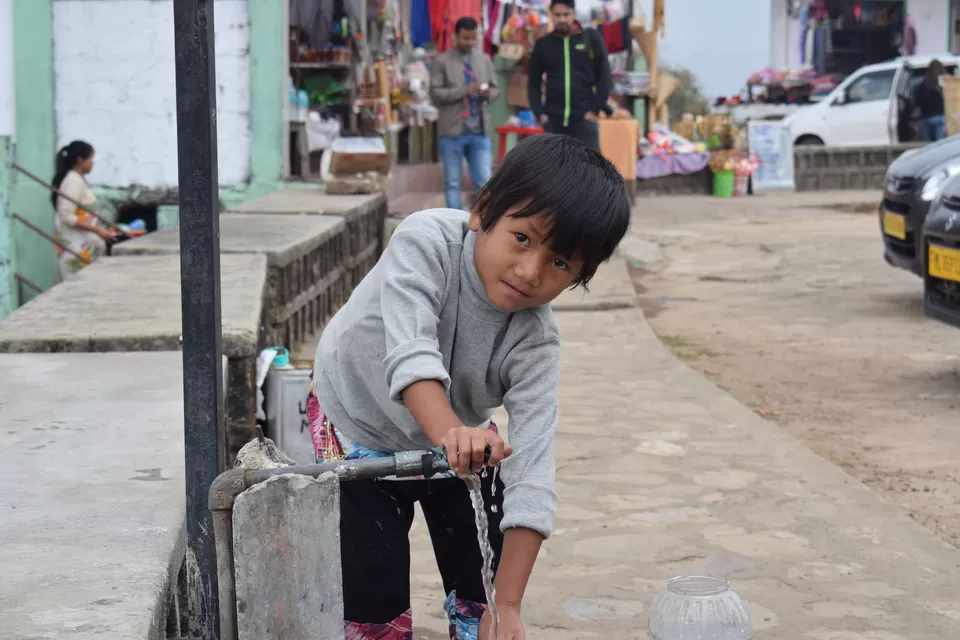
(518, 269)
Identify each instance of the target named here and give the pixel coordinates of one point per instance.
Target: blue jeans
(476, 149)
(933, 128)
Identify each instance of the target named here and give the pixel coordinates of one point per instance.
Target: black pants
(375, 520)
(586, 131)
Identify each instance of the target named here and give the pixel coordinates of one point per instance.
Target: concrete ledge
(311, 201)
(611, 288)
(281, 239)
(827, 168)
(91, 474)
(133, 304)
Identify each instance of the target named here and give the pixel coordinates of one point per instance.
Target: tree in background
(688, 98)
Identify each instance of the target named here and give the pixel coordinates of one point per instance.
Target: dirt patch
(795, 313)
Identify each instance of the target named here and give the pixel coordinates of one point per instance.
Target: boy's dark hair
(578, 190)
(568, 3)
(465, 23)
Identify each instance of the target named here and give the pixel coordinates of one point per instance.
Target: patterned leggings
(375, 521)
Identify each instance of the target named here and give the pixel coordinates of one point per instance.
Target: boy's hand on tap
(467, 449)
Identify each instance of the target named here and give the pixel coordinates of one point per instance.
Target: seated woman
(82, 240)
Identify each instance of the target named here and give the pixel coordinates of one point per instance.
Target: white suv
(871, 107)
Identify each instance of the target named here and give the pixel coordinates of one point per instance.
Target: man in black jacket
(578, 77)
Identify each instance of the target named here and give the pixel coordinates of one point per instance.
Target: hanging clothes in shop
(438, 15)
(315, 17)
(616, 35)
(453, 10)
(420, 23)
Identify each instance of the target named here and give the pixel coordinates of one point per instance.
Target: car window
(876, 85)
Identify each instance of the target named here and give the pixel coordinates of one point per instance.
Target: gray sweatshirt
(422, 314)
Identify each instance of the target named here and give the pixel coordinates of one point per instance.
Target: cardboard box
(618, 144)
(351, 156)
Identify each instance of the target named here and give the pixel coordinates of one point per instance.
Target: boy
(452, 322)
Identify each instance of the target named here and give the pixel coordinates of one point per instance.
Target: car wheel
(809, 141)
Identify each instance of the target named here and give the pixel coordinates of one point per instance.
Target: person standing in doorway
(462, 83)
(578, 77)
(928, 98)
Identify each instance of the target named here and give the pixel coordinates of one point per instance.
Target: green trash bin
(723, 184)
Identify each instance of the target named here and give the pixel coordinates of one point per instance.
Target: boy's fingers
(464, 453)
(451, 447)
(507, 450)
(496, 453)
(479, 450)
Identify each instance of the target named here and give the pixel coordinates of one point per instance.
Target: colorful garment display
(420, 23)
(616, 35)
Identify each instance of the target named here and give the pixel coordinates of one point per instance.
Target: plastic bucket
(723, 184)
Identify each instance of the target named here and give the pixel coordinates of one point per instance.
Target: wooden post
(652, 65)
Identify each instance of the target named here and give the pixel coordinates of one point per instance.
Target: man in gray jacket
(462, 82)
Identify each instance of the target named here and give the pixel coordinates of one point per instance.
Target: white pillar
(7, 103)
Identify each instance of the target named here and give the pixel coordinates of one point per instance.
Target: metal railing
(54, 190)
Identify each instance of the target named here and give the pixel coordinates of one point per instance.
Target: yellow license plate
(894, 225)
(944, 263)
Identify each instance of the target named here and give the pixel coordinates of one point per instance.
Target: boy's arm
(602, 75)
(531, 374)
(415, 267)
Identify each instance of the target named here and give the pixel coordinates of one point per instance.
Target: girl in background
(76, 229)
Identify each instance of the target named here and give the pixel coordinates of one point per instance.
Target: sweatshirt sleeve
(535, 81)
(531, 374)
(415, 271)
(602, 74)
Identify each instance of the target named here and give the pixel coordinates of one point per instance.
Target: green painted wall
(268, 82)
(8, 295)
(33, 85)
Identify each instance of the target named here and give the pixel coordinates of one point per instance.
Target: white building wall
(7, 102)
(115, 87)
(784, 37)
(932, 21)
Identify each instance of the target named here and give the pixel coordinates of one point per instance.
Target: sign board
(772, 143)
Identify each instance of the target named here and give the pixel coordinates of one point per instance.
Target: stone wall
(833, 168)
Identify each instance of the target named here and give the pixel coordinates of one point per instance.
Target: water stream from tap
(486, 550)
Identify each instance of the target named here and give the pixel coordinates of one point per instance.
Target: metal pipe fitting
(229, 484)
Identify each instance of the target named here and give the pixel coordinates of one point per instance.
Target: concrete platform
(281, 239)
(611, 288)
(133, 304)
(92, 486)
(311, 201)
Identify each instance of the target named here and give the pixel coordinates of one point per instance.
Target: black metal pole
(200, 300)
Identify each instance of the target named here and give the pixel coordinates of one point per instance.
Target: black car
(941, 241)
(913, 181)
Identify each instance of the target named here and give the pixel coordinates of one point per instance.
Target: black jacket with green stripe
(578, 76)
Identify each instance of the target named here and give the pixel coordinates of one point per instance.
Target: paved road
(793, 310)
(661, 473)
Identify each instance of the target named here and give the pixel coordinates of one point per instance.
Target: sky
(719, 44)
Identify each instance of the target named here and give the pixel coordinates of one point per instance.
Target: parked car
(872, 107)
(941, 241)
(912, 184)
